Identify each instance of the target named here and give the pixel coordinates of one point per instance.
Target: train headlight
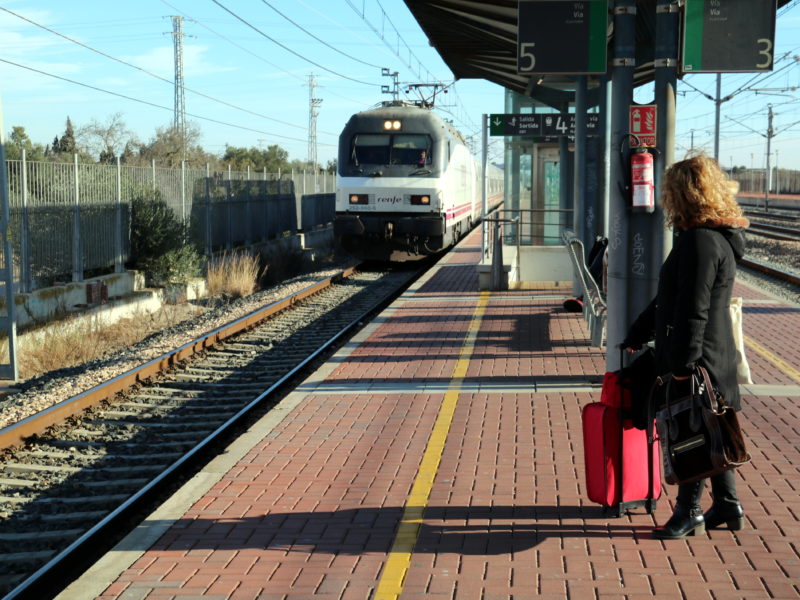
(389, 125)
(424, 200)
(359, 199)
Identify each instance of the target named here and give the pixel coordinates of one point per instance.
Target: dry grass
(235, 275)
(74, 341)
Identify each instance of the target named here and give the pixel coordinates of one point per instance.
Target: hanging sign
(561, 37)
(728, 36)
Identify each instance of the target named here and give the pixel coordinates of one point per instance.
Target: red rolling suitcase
(622, 468)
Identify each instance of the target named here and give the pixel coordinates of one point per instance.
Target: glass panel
(411, 150)
(551, 203)
(370, 149)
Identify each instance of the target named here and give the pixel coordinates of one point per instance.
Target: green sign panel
(561, 37)
(728, 36)
(551, 125)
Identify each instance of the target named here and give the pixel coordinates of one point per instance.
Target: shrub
(234, 275)
(160, 245)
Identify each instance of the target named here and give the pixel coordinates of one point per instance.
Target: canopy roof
(478, 40)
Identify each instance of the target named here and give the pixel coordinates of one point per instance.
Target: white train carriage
(407, 185)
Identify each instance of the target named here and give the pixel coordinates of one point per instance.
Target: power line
(257, 30)
(262, 59)
(319, 39)
(151, 74)
(153, 104)
(396, 51)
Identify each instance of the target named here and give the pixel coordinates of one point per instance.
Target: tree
(168, 148)
(19, 141)
(106, 140)
(273, 159)
(67, 141)
(332, 165)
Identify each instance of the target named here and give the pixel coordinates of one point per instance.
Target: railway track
(780, 274)
(90, 464)
(776, 232)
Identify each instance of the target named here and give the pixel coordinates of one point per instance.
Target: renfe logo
(389, 199)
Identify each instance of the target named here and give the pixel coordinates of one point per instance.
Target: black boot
(731, 515)
(726, 507)
(684, 521)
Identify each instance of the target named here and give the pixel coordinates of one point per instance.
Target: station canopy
(478, 40)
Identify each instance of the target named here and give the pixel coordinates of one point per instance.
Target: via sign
(643, 124)
(728, 36)
(561, 37)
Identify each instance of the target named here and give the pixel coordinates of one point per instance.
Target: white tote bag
(742, 367)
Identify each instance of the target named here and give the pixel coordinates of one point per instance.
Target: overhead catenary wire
(468, 122)
(251, 53)
(320, 40)
(273, 40)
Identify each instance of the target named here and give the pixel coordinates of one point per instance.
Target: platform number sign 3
(728, 36)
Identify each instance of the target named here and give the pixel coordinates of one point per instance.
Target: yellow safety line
(782, 364)
(394, 572)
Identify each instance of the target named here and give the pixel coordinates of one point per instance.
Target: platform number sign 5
(527, 59)
(728, 36)
(565, 37)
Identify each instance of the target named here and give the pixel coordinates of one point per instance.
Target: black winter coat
(689, 317)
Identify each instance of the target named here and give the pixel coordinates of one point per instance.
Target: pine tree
(67, 142)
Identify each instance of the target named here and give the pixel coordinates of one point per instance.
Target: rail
(594, 304)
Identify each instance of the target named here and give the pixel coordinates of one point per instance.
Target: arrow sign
(541, 125)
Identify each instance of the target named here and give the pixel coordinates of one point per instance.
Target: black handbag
(699, 435)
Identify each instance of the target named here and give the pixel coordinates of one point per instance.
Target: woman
(690, 319)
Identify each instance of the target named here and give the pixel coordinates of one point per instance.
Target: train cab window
(411, 150)
(371, 149)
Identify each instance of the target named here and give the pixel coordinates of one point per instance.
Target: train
(407, 186)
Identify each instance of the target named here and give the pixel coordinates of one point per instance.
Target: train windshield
(391, 149)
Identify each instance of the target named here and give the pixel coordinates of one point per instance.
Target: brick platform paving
(307, 505)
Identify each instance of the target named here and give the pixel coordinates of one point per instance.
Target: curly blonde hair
(696, 191)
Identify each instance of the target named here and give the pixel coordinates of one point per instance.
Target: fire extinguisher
(643, 193)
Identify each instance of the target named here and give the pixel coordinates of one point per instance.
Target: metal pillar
(666, 77)
(582, 231)
(564, 176)
(579, 177)
(605, 124)
(484, 182)
(624, 52)
(8, 322)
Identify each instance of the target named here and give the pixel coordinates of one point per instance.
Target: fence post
(119, 266)
(228, 211)
(208, 211)
(77, 263)
(183, 193)
(248, 211)
(8, 322)
(25, 241)
(153, 168)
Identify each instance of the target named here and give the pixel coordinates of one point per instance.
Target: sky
(247, 68)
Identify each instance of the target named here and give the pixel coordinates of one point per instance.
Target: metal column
(624, 52)
(582, 231)
(666, 77)
(8, 322)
